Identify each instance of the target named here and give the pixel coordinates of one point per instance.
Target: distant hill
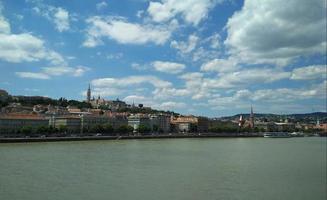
(305, 116)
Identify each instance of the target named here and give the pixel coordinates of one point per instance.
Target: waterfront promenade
(125, 137)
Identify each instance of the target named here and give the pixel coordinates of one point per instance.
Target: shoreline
(134, 137)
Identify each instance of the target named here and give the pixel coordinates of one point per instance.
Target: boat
(276, 135)
(297, 134)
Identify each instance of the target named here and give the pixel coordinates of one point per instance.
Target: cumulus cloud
(61, 19)
(62, 70)
(48, 72)
(196, 48)
(124, 32)
(309, 72)
(170, 105)
(139, 99)
(101, 5)
(247, 77)
(4, 24)
(220, 65)
(185, 47)
(214, 40)
(277, 31)
(191, 11)
(130, 81)
(168, 67)
(24, 47)
(32, 75)
(279, 99)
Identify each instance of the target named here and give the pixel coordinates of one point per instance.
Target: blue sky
(208, 57)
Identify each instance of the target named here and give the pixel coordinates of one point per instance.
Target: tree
(108, 129)
(42, 130)
(143, 129)
(62, 129)
(124, 129)
(26, 130)
(98, 128)
(155, 128)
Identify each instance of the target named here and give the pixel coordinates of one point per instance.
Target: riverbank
(131, 137)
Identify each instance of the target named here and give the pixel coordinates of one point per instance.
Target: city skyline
(193, 57)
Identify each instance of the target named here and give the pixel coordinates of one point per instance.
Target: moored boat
(276, 135)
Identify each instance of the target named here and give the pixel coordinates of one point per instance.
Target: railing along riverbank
(121, 137)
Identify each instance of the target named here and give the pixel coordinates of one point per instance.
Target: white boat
(276, 135)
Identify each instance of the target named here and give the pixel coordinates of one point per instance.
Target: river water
(199, 169)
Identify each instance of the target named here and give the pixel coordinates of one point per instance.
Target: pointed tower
(251, 118)
(88, 94)
(240, 121)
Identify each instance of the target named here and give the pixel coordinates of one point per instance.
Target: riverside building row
(80, 122)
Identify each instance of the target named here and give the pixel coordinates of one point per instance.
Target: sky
(202, 57)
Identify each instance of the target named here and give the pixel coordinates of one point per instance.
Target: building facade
(14, 122)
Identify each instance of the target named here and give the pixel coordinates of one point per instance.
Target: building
(202, 124)
(83, 123)
(113, 105)
(11, 123)
(17, 108)
(280, 127)
(88, 121)
(162, 122)
(137, 120)
(184, 124)
(71, 123)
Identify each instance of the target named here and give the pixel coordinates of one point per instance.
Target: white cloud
(48, 72)
(61, 19)
(185, 47)
(280, 99)
(4, 24)
(139, 13)
(197, 49)
(140, 67)
(169, 92)
(64, 70)
(192, 11)
(168, 67)
(290, 94)
(26, 48)
(214, 41)
(309, 72)
(57, 15)
(21, 47)
(246, 77)
(220, 65)
(139, 99)
(101, 5)
(80, 71)
(170, 105)
(32, 75)
(124, 32)
(130, 81)
(204, 54)
(277, 31)
(115, 56)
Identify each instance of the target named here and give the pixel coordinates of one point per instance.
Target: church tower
(88, 94)
(251, 118)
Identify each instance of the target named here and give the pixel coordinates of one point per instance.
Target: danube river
(215, 168)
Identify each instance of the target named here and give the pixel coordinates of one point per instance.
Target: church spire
(252, 118)
(88, 94)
